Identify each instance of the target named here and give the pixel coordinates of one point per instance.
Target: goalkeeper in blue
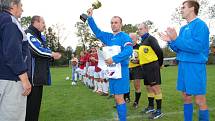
(192, 49)
(121, 41)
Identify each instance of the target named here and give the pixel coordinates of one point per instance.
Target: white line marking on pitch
(145, 116)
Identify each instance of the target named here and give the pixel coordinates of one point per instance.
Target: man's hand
(164, 37)
(25, 84)
(56, 55)
(169, 35)
(109, 61)
(171, 32)
(90, 11)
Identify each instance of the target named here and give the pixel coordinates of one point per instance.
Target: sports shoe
(99, 92)
(148, 110)
(135, 105)
(155, 115)
(110, 97)
(104, 94)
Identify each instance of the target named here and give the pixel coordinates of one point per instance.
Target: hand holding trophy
(95, 5)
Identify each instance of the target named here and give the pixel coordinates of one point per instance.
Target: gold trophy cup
(95, 5)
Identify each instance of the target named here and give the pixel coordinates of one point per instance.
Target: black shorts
(136, 73)
(151, 73)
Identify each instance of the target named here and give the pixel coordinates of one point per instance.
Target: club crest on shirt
(145, 50)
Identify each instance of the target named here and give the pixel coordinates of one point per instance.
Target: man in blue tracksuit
(120, 86)
(14, 53)
(41, 56)
(192, 48)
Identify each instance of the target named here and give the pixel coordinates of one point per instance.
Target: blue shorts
(192, 78)
(120, 86)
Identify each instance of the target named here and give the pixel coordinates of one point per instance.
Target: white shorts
(78, 70)
(82, 72)
(97, 75)
(104, 74)
(91, 70)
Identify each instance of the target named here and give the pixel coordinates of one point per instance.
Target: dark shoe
(104, 94)
(157, 114)
(148, 110)
(135, 105)
(110, 96)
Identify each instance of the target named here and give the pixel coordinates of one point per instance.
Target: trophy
(95, 5)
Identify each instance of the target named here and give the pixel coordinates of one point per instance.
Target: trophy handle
(83, 17)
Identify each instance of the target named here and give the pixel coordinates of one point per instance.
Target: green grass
(63, 102)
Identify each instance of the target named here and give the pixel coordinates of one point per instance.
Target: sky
(66, 13)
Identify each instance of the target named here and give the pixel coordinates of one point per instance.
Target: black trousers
(34, 103)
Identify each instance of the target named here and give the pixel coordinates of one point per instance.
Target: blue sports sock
(121, 109)
(203, 115)
(188, 112)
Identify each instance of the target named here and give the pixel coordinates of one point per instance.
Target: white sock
(76, 77)
(99, 86)
(95, 85)
(91, 83)
(88, 82)
(106, 87)
(103, 86)
(84, 80)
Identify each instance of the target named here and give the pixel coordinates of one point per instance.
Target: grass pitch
(64, 102)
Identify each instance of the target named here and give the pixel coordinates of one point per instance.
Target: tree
(83, 32)
(51, 38)
(129, 28)
(86, 38)
(211, 11)
(54, 44)
(167, 52)
(176, 17)
(60, 33)
(69, 52)
(25, 21)
(93, 40)
(78, 50)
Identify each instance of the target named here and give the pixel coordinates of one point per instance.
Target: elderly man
(151, 59)
(14, 53)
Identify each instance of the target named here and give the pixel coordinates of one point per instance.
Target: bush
(211, 58)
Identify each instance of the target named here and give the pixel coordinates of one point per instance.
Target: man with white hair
(14, 54)
(151, 59)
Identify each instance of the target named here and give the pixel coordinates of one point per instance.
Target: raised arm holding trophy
(97, 4)
(120, 41)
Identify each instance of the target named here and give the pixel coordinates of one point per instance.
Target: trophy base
(83, 17)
